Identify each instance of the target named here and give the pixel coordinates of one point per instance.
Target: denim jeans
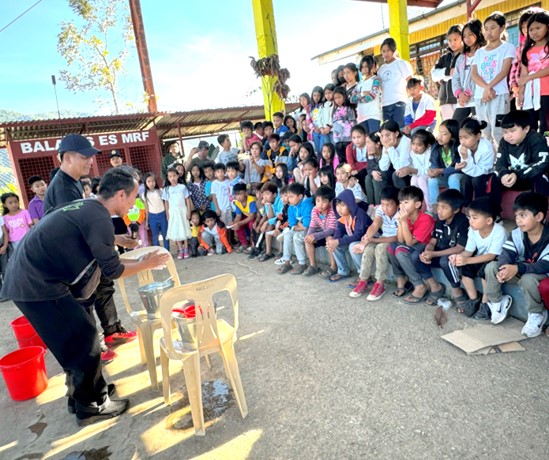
(371, 125)
(395, 112)
(341, 258)
(317, 140)
(454, 181)
(295, 241)
(159, 225)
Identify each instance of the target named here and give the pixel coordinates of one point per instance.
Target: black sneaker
(483, 312)
(471, 307)
(86, 415)
(71, 403)
(254, 252)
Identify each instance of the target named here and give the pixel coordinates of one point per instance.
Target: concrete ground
(325, 376)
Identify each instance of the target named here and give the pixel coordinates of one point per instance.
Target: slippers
(433, 297)
(328, 273)
(337, 277)
(401, 292)
(412, 299)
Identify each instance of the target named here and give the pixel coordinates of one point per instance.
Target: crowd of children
(358, 170)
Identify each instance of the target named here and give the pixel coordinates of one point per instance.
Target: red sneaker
(120, 337)
(359, 289)
(377, 292)
(107, 357)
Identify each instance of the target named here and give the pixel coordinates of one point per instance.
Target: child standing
(491, 66)
(227, 153)
(394, 75)
(343, 120)
(449, 237)
(278, 122)
(524, 261)
(462, 83)
(323, 224)
(534, 75)
(313, 116)
(485, 241)
(299, 218)
(156, 219)
(369, 93)
(36, 205)
(197, 188)
(444, 157)
(396, 153)
(248, 136)
(420, 110)
(325, 115)
(374, 247)
(357, 154)
(476, 158)
(178, 212)
(17, 221)
(351, 226)
(221, 193)
(414, 232)
(442, 72)
(246, 212)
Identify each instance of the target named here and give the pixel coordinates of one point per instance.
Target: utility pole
(143, 54)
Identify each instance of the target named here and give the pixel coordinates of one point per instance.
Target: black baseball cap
(79, 144)
(115, 153)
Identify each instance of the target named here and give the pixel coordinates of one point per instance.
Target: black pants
(425, 270)
(104, 305)
(400, 182)
(374, 187)
(69, 332)
(475, 186)
(539, 184)
(538, 118)
(462, 113)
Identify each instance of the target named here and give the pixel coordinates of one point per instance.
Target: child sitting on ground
(352, 225)
(449, 237)
(374, 247)
(323, 224)
(485, 241)
(524, 261)
(246, 211)
(420, 110)
(522, 159)
(414, 232)
(299, 217)
(213, 233)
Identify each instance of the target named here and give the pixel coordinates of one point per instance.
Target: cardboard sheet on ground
(486, 338)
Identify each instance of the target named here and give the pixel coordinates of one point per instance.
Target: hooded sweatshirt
(350, 228)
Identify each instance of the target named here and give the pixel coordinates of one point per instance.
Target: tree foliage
(96, 48)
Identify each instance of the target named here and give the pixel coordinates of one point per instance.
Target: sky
(199, 52)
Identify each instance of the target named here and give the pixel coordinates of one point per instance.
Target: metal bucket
(150, 296)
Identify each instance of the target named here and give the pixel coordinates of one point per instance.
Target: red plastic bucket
(25, 334)
(24, 371)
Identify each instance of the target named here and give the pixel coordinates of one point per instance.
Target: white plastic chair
(211, 335)
(145, 326)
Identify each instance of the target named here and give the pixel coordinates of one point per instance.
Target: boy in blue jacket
(351, 226)
(299, 218)
(524, 260)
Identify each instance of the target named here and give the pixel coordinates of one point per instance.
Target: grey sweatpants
(487, 111)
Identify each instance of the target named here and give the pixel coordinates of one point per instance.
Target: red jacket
(350, 155)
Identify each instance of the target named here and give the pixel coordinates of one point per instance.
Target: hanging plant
(270, 67)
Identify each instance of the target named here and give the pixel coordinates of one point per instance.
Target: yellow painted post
(398, 26)
(265, 31)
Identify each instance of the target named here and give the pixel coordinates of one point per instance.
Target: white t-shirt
(222, 190)
(489, 64)
(389, 225)
(492, 244)
(367, 110)
(393, 81)
(357, 191)
(154, 201)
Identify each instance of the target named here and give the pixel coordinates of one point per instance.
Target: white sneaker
(533, 326)
(499, 309)
(280, 261)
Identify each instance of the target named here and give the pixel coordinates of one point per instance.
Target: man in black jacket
(60, 253)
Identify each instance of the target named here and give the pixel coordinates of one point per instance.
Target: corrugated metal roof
(193, 123)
